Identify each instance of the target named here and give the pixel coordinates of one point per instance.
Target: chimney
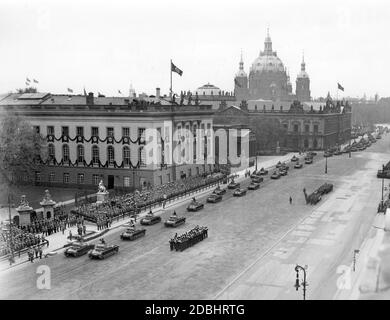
(157, 93)
(90, 99)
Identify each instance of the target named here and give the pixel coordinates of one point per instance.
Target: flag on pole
(27, 84)
(237, 83)
(340, 87)
(36, 81)
(119, 92)
(70, 90)
(176, 69)
(27, 79)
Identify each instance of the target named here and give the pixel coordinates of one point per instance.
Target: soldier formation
(188, 239)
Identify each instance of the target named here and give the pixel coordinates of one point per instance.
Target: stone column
(24, 211)
(48, 206)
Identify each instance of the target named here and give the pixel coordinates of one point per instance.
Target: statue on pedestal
(102, 188)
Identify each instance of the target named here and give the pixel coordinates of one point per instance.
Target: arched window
(95, 155)
(126, 156)
(110, 155)
(65, 152)
(80, 153)
(142, 156)
(306, 143)
(51, 151)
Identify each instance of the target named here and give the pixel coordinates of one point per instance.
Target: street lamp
(383, 181)
(304, 283)
(326, 164)
(355, 253)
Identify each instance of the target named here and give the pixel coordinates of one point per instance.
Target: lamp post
(326, 164)
(304, 283)
(256, 160)
(355, 252)
(383, 180)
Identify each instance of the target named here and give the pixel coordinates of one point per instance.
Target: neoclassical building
(269, 80)
(103, 138)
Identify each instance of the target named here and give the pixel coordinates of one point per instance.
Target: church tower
(303, 84)
(241, 83)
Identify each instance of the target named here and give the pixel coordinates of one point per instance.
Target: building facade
(299, 127)
(97, 138)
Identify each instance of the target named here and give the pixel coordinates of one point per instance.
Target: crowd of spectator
(132, 203)
(21, 239)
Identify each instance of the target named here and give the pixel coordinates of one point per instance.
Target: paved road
(253, 244)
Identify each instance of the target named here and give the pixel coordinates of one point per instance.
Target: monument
(24, 211)
(48, 206)
(102, 194)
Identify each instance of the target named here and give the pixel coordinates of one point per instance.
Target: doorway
(110, 184)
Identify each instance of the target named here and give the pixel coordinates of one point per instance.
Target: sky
(106, 46)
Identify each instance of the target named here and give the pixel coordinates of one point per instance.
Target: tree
(21, 148)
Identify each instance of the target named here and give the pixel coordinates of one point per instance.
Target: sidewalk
(57, 241)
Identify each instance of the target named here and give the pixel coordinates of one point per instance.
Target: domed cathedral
(303, 84)
(268, 78)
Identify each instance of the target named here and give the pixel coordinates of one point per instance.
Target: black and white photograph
(218, 151)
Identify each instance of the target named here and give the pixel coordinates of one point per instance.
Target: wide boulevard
(253, 246)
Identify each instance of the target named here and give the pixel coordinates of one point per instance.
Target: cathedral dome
(268, 63)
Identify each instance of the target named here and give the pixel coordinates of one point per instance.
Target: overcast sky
(108, 45)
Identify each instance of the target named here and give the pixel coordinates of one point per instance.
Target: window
(179, 132)
(80, 131)
(166, 139)
(209, 129)
(126, 156)
(37, 129)
(141, 134)
(285, 125)
(65, 131)
(160, 179)
(95, 155)
(95, 179)
(66, 178)
(80, 153)
(110, 155)
(169, 177)
(316, 128)
(50, 130)
(189, 172)
(51, 151)
(110, 132)
(37, 176)
(187, 130)
(80, 178)
(159, 135)
(307, 128)
(51, 177)
(141, 156)
(126, 181)
(94, 131)
(65, 153)
(296, 128)
(197, 171)
(126, 132)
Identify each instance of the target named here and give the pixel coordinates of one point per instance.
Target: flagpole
(170, 90)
